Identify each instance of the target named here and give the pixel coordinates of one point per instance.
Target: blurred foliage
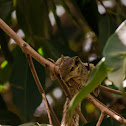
(82, 29)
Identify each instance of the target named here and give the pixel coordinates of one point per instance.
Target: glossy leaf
(115, 55)
(25, 92)
(96, 77)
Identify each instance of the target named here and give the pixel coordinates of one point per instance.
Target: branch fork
(28, 50)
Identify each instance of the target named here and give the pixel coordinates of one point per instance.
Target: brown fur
(72, 68)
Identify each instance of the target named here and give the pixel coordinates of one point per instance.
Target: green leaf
(106, 28)
(25, 92)
(55, 48)
(96, 77)
(4, 46)
(30, 19)
(68, 11)
(9, 118)
(115, 55)
(1, 87)
(5, 8)
(89, 10)
(4, 64)
(40, 51)
(33, 19)
(5, 73)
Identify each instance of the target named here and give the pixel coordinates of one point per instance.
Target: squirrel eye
(72, 69)
(88, 67)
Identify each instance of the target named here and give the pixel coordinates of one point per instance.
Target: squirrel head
(69, 67)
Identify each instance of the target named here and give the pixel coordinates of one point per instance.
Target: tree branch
(41, 90)
(27, 49)
(67, 93)
(49, 65)
(100, 119)
(105, 109)
(104, 88)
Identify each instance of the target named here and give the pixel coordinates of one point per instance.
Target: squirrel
(72, 68)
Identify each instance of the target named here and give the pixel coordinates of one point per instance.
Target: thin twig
(100, 119)
(105, 109)
(102, 107)
(67, 93)
(39, 85)
(104, 88)
(49, 65)
(27, 49)
(41, 90)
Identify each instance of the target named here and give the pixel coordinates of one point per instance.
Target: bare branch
(49, 65)
(104, 88)
(100, 119)
(39, 86)
(67, 93)
(41, 90)
(105, 109)
(27, 49)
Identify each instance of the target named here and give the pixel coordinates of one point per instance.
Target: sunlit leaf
(5, 73)
(40, 51)
(4, 64)
(115, 55)
(1, 87)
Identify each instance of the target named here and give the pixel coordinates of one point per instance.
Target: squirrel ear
(76, 60)
(62, 58)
